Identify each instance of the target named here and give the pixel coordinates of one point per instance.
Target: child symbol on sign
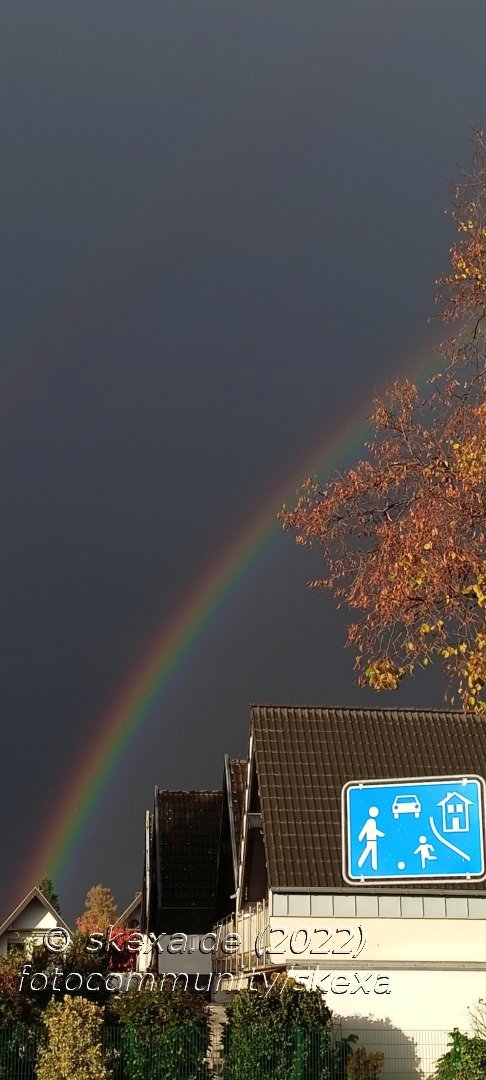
(425, 851)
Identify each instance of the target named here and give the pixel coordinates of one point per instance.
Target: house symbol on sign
(455, 812)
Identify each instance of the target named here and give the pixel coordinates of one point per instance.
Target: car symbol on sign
(406, 804)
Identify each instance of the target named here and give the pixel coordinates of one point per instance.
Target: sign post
(423, 829)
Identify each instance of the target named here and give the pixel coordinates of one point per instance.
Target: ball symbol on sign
(401, 865)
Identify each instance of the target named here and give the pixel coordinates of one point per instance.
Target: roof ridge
(189, 791)
(362, 708)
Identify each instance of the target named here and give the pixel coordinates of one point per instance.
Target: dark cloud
(221, 225)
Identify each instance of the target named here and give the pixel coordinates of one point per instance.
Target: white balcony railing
(243, 940)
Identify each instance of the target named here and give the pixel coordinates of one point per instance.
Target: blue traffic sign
(420, 829)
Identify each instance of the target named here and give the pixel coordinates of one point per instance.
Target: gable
(34, 912)
(34, 917)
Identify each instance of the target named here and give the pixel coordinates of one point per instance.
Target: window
(15, 944)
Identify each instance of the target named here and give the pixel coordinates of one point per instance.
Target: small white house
(29, 922)
(455, 812)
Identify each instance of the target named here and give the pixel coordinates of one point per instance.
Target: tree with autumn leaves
(99, 916)
(100, 911)
(403, 531)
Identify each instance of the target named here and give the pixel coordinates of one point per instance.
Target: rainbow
(174, 645)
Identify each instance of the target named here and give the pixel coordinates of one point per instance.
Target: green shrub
(466, 1059)
(147, 1008)
(282, 1033)
(73, 1049)
(163, 1052)
(164, 1033)
(285, 1004)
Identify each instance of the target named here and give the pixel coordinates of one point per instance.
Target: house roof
(34, 894)
(305, 755)
(187, 829)
(456, 796)
(236, 772)
(136, 902)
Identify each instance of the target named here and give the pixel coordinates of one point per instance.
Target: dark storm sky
(220, 229)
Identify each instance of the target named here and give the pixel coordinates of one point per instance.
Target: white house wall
(34, 915)
(413, 1014)
(422, 964)
(404, 940)
(33, 919)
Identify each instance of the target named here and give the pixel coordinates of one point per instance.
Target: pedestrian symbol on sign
(370, 832)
